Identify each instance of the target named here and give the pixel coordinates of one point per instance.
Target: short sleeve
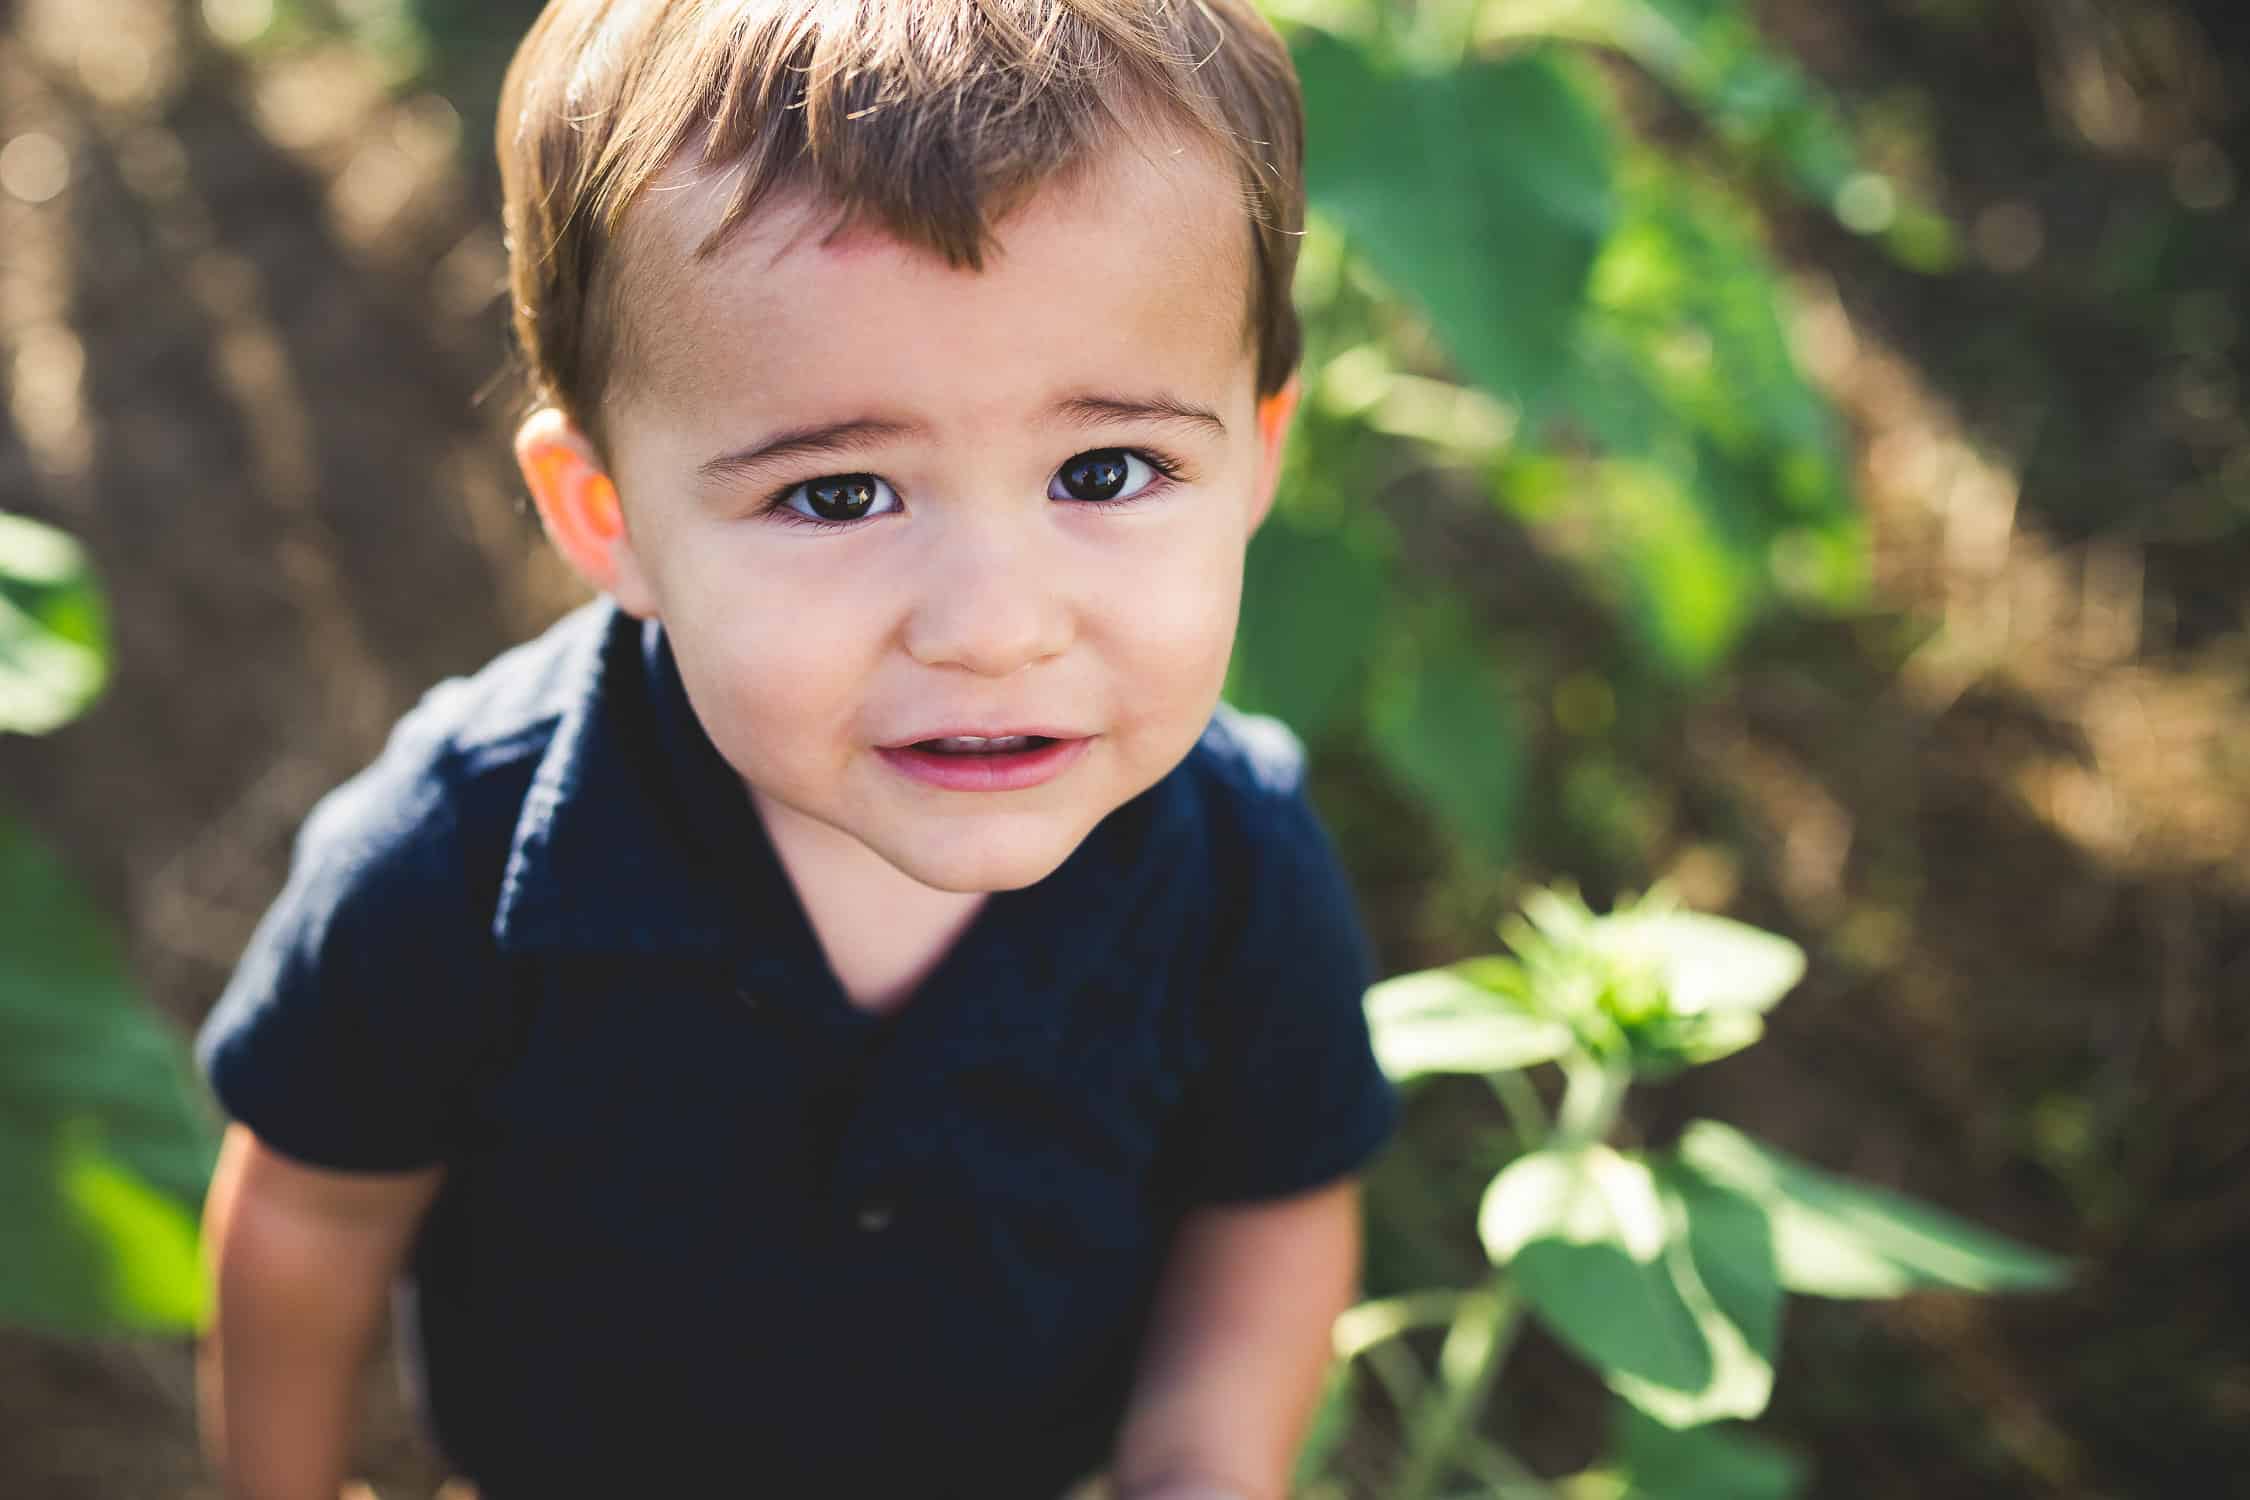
(1292, 1096)
(357, 1017)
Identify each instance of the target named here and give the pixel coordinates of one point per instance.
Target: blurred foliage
(1510, 296)
(104, 1149)
(53, 636)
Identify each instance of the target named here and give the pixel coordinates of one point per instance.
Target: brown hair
(929, 118)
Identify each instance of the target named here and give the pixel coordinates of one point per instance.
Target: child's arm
(302, 1259)
(1237, 1347)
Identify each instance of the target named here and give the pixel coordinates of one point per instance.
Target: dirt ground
(245, 348)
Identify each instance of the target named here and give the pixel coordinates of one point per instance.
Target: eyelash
(1168, 473)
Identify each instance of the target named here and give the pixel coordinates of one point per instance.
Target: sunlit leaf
(1719, 1250)
(1481, 193)
(1688, 357)
(1716, 484)
(1731, 1240)
(1837, 1238)
(1704, 963)
(104, 1150)
(53, 642)
(1589, 1196)
(1439, 1021)
(1583, 1236)
(1688, 594)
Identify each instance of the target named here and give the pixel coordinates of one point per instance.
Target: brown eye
(1101, 474)
(836, 499)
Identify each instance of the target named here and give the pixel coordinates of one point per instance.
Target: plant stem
(1372, 1323)
(1395, 1369)
(1474, 1351)
(1526, 1115)
(1593, 1093)
(1502, 1471)
(1485, 1328)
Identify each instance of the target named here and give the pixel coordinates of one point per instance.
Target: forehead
(1141, 257)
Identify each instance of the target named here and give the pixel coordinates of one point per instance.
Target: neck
(882, 930)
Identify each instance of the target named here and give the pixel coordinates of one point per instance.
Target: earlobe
(577, 502)
(1275, 413)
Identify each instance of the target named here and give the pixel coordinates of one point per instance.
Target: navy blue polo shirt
(704, 1222)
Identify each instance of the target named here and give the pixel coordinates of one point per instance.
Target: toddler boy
(848, 1014)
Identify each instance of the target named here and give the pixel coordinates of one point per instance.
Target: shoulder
(1250, 755)
(1277, 884)
(365, 1002)
(437, 808)
(508, 711)
(1247, 777)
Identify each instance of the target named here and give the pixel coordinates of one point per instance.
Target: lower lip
(1010, 772)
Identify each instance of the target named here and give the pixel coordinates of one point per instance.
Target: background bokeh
(1851, 530)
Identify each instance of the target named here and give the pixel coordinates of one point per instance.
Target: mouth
(984, 762)
(988, 738)
(979, 744)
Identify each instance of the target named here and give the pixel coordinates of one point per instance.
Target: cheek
(1175, 624)
(758, 649)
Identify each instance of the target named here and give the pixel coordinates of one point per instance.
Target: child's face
(877, 500)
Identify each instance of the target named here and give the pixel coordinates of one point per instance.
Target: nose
(990, 600)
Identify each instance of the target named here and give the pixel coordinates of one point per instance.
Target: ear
(1274, 415)
(578, 506)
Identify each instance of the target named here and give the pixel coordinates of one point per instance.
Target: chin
(967, 869)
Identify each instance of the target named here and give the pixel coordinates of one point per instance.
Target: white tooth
(974, 743)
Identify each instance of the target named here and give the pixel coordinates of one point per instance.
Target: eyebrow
(821, 440)
(1095, 411)
(834, 439)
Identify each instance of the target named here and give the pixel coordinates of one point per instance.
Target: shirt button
(874, 1216)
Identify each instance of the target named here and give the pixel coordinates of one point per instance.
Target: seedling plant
(1665, 1270)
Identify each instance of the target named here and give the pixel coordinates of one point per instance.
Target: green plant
(1664, 1270)
(1531, 321)
(104, 1152)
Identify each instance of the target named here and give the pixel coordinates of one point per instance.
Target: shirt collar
(603, 858)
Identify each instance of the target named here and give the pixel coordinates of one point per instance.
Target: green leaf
(1480, 192)
(104, 1150)
(1836, 1238)
(1440, 724)
(1731, 1241)
(1311, 601)
(1704, 963)
(1715, 1462)
(1720, 482)
(1583, 1235)
(1686, 593)
(53, 640)
(1440, 1021)
(1720, 1254)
